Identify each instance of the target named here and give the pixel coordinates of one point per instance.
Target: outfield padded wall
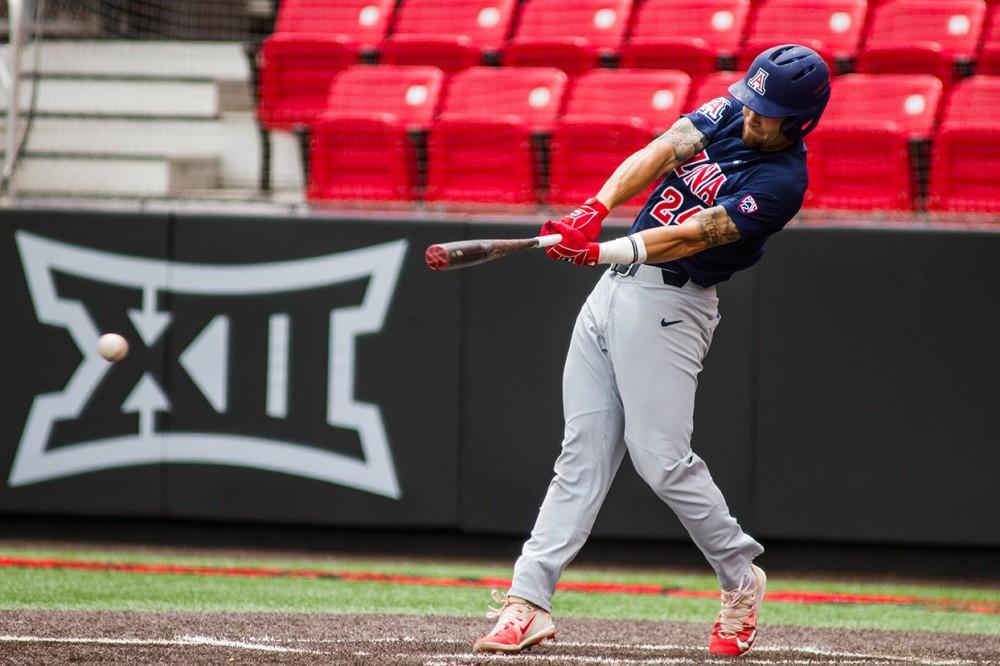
(848, 395)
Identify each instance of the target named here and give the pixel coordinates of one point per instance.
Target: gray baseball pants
(629, 385)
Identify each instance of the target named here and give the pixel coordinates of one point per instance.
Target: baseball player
(733, 173)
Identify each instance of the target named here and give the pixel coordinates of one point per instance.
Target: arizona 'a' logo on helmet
(758, 80)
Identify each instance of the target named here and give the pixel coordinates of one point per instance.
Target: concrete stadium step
(143, 118)
(233, 137)
(168, 59)
(109, 97)
(139, 137)
(115, 175)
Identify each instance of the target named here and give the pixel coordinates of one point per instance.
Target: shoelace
(508, 610)
(736, 608)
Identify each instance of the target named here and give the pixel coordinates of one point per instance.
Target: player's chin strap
(625, 250)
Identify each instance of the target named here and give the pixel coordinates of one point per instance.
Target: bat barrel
(459, 254)
(437, 258)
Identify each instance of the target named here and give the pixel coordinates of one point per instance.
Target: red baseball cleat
(520, 625)
(736, 626)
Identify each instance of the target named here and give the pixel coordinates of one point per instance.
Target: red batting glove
(574, 246)
(588, 218)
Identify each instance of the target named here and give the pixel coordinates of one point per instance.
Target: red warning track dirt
(960, 605)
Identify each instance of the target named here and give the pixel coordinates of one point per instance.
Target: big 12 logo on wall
(246, 365)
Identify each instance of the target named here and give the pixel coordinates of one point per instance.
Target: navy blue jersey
(761, 191)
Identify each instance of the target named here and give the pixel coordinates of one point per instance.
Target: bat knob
(436, 258)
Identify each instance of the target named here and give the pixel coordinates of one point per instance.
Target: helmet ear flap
(793, 128)
(796, 127)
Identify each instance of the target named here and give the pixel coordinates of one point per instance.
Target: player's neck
(782, 144)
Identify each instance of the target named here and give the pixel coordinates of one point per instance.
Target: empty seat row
(314, 39)
(487, 135)
(504, 135)
(880, 140)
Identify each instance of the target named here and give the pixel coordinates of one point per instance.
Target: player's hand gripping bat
(459, 254)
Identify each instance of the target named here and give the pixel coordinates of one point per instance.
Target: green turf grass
(85, 590)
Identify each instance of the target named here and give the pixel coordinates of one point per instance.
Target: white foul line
(183, 641)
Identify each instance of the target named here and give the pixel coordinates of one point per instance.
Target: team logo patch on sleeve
(748, 205)
(714, 109)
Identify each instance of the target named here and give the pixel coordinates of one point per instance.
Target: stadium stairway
(148, 119)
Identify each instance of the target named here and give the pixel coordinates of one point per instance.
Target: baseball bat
(459, 254)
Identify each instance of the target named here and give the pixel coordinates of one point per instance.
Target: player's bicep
(679, 144)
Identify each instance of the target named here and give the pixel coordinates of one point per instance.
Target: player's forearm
(651, 246)
(706, 229)
(670, 243)
(634, 175)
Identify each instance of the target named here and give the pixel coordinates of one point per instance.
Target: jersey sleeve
(713, 115)
(762, 208)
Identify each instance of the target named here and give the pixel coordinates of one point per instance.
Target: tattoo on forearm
(717, 228)
(687, 139)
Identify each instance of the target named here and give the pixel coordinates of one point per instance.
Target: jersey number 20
(665, 211)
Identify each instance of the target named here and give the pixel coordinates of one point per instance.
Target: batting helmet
(787, 81)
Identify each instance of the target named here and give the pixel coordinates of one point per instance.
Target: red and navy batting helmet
(787, 81)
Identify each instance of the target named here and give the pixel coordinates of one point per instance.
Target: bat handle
(549, 240)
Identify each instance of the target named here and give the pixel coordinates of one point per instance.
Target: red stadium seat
(362, 22)
(364, 157)
(989, 57)
(965, 170)
(869, 149)
(655, 97)
(923, 37)
(690, 35)
(451, 34)
(295, 76)
(911, 101)
(481, 148)
(714, 85)
(482, 160)
(830, 27)
(361, 148)
(863, 166)
(974, 101)
(534, 94)
(609, 115)
(312, 42)
(586, 151)
(568, 34)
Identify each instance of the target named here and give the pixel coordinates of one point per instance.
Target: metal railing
(15, 13)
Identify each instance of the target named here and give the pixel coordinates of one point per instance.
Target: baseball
(112, 347)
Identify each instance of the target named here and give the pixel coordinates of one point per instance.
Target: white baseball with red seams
(112, 347)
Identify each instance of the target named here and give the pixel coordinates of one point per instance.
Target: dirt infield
(61, 637)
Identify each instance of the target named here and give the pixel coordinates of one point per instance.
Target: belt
(673, 278)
